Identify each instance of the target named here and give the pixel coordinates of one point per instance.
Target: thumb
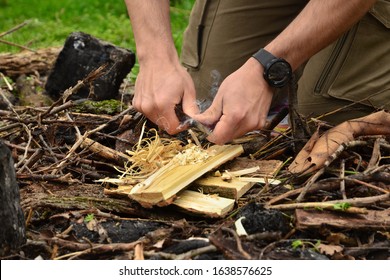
(211, 115)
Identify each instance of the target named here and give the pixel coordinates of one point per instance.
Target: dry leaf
(318, 151)
(329, 250)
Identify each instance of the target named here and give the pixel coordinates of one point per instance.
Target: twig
(356, 202)
(309, 184)
(238, 242)
(13, 29)
(85, 248)
(10, 87)
(9, 104)
(184, 256)
(17, 45)
(80, 140)
(139, 251)
(375, 157)
(27, 146)
(371, 186)
(31, 160)
(342, 180)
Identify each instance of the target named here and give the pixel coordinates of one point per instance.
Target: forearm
(152, 30)
(318, 25)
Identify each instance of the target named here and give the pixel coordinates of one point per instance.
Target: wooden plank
(373, 220)
(201, 204)
(233, 189)
(267, 168)
(238, 186)
(160, 188)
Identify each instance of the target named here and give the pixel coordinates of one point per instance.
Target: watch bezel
(277, 83)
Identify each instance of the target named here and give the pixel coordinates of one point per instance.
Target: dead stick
(310, 183)
(33, 159)
(85, 136)
(376, 155)
(13, 29)
(342, 180)
(239, 244)
(356, 202)
(16, 45)
(184, 256)
(332, 183)
(96, 248)
(368, 185)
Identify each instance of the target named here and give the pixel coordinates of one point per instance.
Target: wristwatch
(277, 71)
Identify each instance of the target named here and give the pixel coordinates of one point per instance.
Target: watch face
(278, 73)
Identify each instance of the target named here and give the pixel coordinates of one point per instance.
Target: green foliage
(342, 206)
(298, 243)
(89, 218)
(51, 21)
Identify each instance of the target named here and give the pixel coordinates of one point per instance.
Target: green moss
(108, 107)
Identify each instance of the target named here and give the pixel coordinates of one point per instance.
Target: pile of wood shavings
(149, 155)
(192, 154)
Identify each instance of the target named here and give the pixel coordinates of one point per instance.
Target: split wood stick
(206, 205)
(104, 151)
(233, 188)
(162, 186)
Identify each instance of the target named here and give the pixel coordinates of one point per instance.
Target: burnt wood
(12, 229)
(81, 55)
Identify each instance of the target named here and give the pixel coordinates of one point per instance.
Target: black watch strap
(264, 57)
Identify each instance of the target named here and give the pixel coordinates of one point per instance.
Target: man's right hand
(159, 88)
(162, 82)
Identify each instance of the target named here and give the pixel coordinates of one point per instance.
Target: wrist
(277, 71)
(160, 56)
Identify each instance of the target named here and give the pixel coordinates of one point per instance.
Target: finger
(190, 107)
(211, 115)
(225, 131)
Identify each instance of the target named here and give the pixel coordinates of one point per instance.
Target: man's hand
(241, 104)
(158, 89)
(162, 82)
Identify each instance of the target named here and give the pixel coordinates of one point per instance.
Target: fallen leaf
(329, 250)
(318, 151)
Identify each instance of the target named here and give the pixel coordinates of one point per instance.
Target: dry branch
(27, 62)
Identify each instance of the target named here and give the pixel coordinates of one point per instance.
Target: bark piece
(82, 53)
(373, 220)
(12, 229)
(27, 62)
